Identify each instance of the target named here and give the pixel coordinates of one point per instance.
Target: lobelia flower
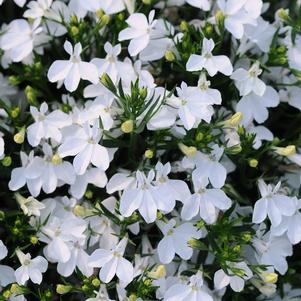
(3, 250)
(37, 9)
(272, 204)
(51, 171)
(18, 2)
(110, 64)
(291, 225)
(238, 13)
(253, 106)
(205, 202)
(46, 126)
(58, 233)
(237, 282)
(139, 31)
(101, 295)
(112, 262)
(195, 103)
(213, 64)
(30, 205)
(145, 194)
(248, 81)
(72, 70)
(78, 259)
(83, 144)
(194, 290)
(175, 240)
(20, 38)
(272, 250)
(30, 268)
(208, 165)
(201, 4)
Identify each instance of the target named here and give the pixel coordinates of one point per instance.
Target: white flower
(213, 64)
(46, 126)
(205, 202)
(30, 205)
(108, 6)
(149, 195)
(248, 81)
(112, 262)
(19, 39)
(57, 233)
(195, 290)
(237, 283)
(201, 4)
(294, 54)
(291, 225)
(94, 176)
(139, 31)
(78, 259)
(72, 70)
(253, 106)
(30, 268)
(273, 250)
(84, 146)
(195, 103)
(175, 240)
(272, 204)
(208, 165)
(101, 295)
(37, 9)
(3, 250)
(50, 172)
(238, 13)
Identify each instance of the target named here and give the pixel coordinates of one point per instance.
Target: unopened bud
(189, 151)
(234, 120)
(127, 126)
(96, 282)
(74, 30)
(184, 26)
(62, 289)
(158, 272)
(15, 112)
(149, 154)
(169, 56)
(16, 289)
(271, 278)
(253, 163)
(105, 19)
(34, 240)
(233, 150)
(289, 150)
(6, 161)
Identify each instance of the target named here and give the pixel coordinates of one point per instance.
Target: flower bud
(7, 294)
(284, 15)
(189, 151)
(158, 272)
(199, 137)
(149, 154)
(184, 26)
(34, 239)
(89, 194)
(14, 80)
(127, 126)
(105, 19)
(96, 282)
(233, 150)
(143, 92)
(74, 30)
(147, 2)
(2, 216)
(6, 161)
(289, 150)
(16, 289)
(220, 18)
(253, 163)
(62, 289)
(169, 56)
(234, 120)
(15, 112)
(246, 237)
(20, 136)
(271, 278)
(80, 211)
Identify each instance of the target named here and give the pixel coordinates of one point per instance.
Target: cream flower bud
(234, 120)
(286, 151)
(127, 126)
(271, 278)
(189, 151)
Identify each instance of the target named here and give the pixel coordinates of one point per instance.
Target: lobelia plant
(150, 150)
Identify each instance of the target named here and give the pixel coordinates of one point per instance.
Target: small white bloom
(194, 290)
(201, 4)
(205, 202)
(72, 70)
(213, 64)
(112, 262)
(237, 283)
(139, 31)
(19, 39)
(272, 204)
(30, 268)
(175, 240)
(84, 146)
(3, 250)
(46, 126)
(30, 205)
(248, 81)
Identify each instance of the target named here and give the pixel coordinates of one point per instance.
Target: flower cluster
(150, 150)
